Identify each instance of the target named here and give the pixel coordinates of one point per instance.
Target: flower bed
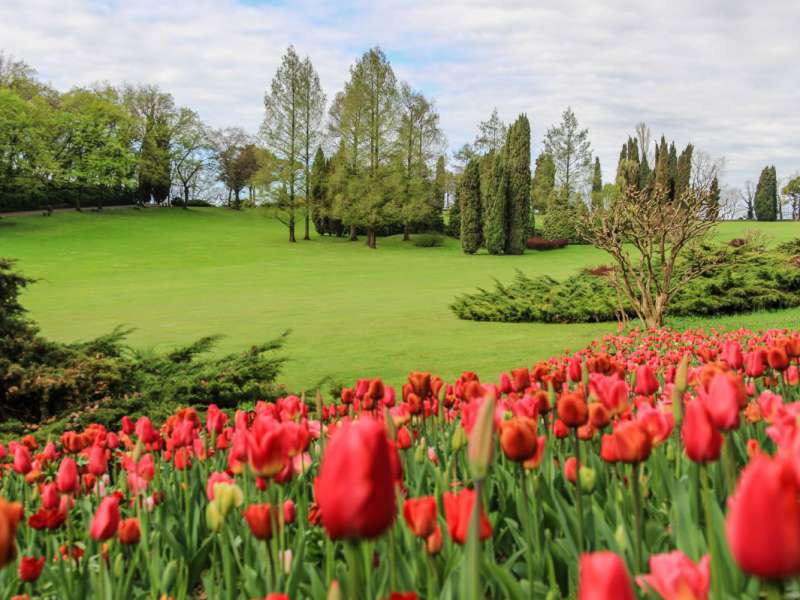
(652, 462)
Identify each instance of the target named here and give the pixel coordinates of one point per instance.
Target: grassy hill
(177, 275)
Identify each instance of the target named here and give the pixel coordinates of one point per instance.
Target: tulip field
(658, 464)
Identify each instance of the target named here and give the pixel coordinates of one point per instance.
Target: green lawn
(177, 275)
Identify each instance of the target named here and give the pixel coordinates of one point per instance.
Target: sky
(722, 74)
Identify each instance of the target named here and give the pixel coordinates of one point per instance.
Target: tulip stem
(729, 461)
(637, 515)
(354, 567)
(715, 589)
(578, 491)
(771, 589)
(526, 521)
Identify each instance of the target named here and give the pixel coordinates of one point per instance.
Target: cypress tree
(597, 184)
(544, 180)
(319, 213)
(683, 171)
(662, 166)
(714, 206)
(468, 195)
(495, 217)
(672, 169)
(518, 198)
(766, 198)
(454, 217)
(773, 177)
(645, 173)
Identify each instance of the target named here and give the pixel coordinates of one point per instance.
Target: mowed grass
(177, 275)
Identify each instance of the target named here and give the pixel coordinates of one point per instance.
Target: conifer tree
(714, 199)
(683, 171)
(672, 167)
(468, 195)
(597, 184)
(662, 165)
(317, 196)
(766, 198)
(495, 218)
(542, 184)
(518, 198)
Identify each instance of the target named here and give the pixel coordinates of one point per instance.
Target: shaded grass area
(177, 275)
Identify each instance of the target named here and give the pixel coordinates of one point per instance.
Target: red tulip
(433, 543)
(22, 460)
(674, 576)
(106, 519)
(98, 464)
(10, 516)
(145, 431)
(603, 576)
(535, 459)
(633, 442)
(260, 518)
(420, 515)
(67, 477)
(754, 363)
(289, 512)
(129, 531)
(355, 488)
(30, 568)
(763, 523)
(518, 438)
(777, 358)
(646, 382)
(458, 514)
(700, 439)
(722, 402)
(572, 409)
(571, 469)
(266, 447)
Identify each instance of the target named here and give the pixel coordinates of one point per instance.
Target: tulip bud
(682, 374)
(481, 441)
(587, 477)
(335, 591)
(419, 452)
(227, 496)
(621, 537)
(119, 565)
(458, 440)
(214, 518)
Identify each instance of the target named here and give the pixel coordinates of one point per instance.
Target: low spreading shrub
(102, 379)
(427, 240)
(746, 278)
(540, 243)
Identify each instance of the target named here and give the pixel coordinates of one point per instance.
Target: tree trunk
(291, 230)
(185, 196)
(353, 233)
(306, 236)
(406, 234)
(372, 239)
(237, 205)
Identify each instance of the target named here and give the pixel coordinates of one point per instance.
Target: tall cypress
(495, 217)
(518, 197)
(672, 169)
(683, 171)
(766, 197)
(714, 199)
(662, 166)
(597, 184)
(469, 196)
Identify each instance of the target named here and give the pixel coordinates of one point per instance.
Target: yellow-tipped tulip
(481, 441)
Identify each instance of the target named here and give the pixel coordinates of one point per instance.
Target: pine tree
(766, 198)
(437, 195)
(645, 176)
(495, 217)
(518, 198)
(683, 172)
(468, 195)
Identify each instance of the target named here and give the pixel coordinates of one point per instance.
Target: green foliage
(766, 197)
(495, 217)
(453, 227)
(102, 379)
(559, 221)
(518, 197)
(469, 196)
(427, 240)
(543, 182)
(751, 278)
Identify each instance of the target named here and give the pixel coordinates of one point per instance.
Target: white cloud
(720, 73)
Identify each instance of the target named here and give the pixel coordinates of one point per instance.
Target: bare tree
(704, 169)
(643, 136)
(748, 196)
(645, 235)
